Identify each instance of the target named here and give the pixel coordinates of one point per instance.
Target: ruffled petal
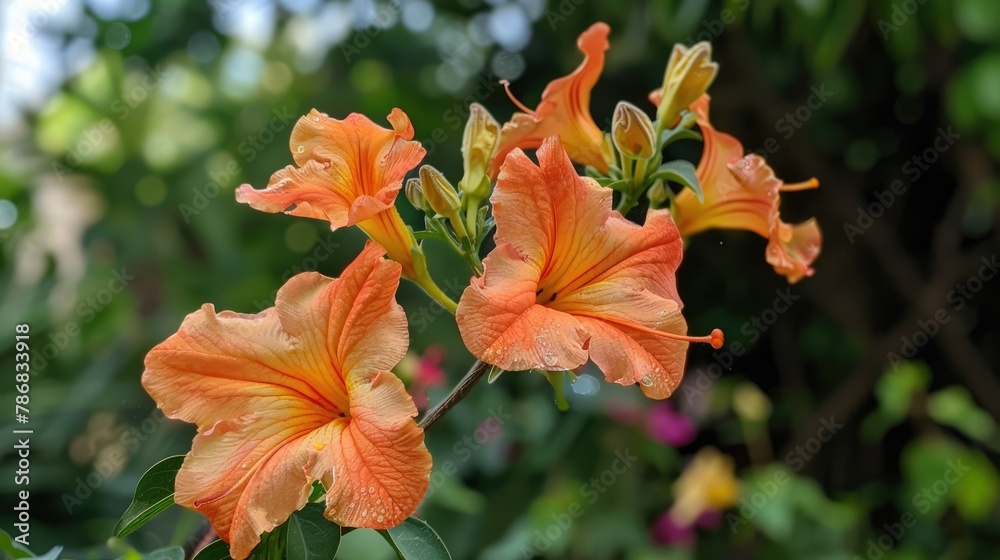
(564, 111)
(571, 278)
(382, 468)
(793, 248)
(247, 476)
(349, 170)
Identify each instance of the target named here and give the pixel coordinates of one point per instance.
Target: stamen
(715, 339)
(521, 106)
(804, 185)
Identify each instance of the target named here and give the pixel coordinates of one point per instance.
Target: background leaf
(153, 494)
(414, 539)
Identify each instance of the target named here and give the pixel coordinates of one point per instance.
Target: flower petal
(742, 192)
(382, 466)
(570, 276)
(565, 110)
(224, 365)
(793, 248)
(350, 169)
(247, 476)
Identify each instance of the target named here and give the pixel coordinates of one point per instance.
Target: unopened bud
(479, 144)
(632, 132)
(657, 195)
(415, 194)
(688, 75)
(440, 195)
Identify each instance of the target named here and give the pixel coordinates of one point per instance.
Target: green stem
(471, 217)
(628, 201)
(476, 372)
(427, 283)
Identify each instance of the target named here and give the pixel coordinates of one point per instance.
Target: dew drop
(301, 149)
(363, 490)
(381, 519)
(647, 381)
(371, 489)
(377, 502)
(364, 513)
(550, 359)
(316, 119)
(244, 465)
(350, 505)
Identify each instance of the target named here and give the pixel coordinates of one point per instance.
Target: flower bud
(479, 144)
(440, 195)
(688, 75)
(632, 132)
(415, 194)
(657, 195)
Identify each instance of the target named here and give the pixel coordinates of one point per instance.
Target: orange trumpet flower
(742, 192)
(570, 279)
(297, 393)
(564, 111)
(349, 173)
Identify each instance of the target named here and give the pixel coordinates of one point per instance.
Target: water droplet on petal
(301, 149)
(364, 513)
(380, 519)
(350, 505)
(647, 381)
(550, 359)
(371, 489)
(244, 465)
(316, 119)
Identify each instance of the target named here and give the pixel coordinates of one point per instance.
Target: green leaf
(217, 550)
(414, 539)
(171, 553)
(312, 536)
(12, 548)
(494, 374)
(673, 135)
(51, 555)
(680, 171)
(153, 494)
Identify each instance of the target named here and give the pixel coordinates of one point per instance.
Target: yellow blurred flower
(708, 483)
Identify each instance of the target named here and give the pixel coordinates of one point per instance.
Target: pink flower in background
(667, 531)
(668, 426)
(423, 373)
(429, 372)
